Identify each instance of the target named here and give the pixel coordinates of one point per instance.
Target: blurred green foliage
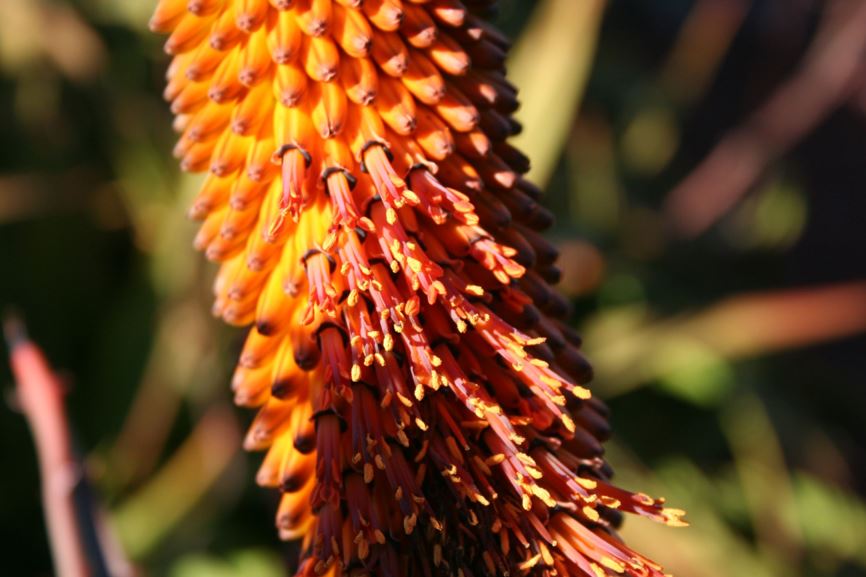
(732, 398)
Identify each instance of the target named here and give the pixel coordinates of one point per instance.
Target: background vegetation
(712, 222)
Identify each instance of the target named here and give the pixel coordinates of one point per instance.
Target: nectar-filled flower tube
(421, 401)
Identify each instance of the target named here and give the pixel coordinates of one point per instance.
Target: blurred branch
(762, 323)
(147, 517)
(40, 397)
(825, 80)
(764, 478)
(550, 65)
(182, 362)
(702, 42)
(632, 351)
(178, 351)
(81, 544)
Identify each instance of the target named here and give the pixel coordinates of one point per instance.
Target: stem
(41, 400)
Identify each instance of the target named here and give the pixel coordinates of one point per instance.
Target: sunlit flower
(421, 399)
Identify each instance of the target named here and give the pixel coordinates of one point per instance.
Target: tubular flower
(420, 400)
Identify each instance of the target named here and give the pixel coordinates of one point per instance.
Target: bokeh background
(707, 163)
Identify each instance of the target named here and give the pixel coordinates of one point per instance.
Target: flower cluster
(420, 397)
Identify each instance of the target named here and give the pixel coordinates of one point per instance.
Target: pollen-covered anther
(319, 265)
(294, 161)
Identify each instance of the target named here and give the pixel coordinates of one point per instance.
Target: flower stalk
(422, 404)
